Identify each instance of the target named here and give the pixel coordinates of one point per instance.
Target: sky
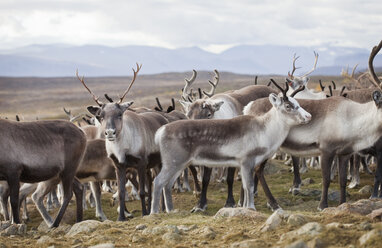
(211, 25)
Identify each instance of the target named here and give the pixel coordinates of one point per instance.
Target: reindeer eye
(209, 115)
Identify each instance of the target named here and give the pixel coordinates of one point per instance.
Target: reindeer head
(110, 115)
(377, 95)
(204, 107)
(288, 106)
(296, 82)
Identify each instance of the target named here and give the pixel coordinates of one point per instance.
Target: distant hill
(93, 60)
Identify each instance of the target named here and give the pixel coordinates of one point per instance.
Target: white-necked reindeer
(224, 105)
(242, 142)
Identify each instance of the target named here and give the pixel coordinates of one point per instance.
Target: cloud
(211, 25)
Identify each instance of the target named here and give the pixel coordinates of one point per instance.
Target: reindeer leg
(142, 181)
(160, 181)
(272, 203)
(149, 190)
(42, 190)
(355, 179)
(327, 159)
(248, 184)
(230, 203)
(202, 204)
(196, 181)
(343, 162)
(297, 179)
(4, 195)
(78, 192)
(186, 184)
(25, 190)
(14, 187)
(378, 175)
(96, 190)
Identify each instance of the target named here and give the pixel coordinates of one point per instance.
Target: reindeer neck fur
(307, 94)
(229, 109)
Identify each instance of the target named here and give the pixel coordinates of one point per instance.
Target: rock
(365, 189)
(317, 243)
(106, 245)
(11, 230)
(21, 229)
(240, 212)
(334, 196)
(140, 227)
(4, 225)
(362, 207)
(307, 181)
(296, 220)
(45, 240)
(376, 215)
(86, 226)
(374, 234)
(273, 221)
(309, 192)
(208, 233)
(184, 228)
(309, 229)
(334, 225)
(297, 244)
(252, 243)
(365, 226)
(171, 237)
(43, 227)
(173, 229)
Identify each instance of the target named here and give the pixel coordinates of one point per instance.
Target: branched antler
(314, 66)
(187, 91)
(376, 81)
(96, 98)
(294, 67)
(131, 84)
(213, 84)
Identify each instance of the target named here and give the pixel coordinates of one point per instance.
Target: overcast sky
(211, 25)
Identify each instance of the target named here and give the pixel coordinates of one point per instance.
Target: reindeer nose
(109, 132)
(308, 117)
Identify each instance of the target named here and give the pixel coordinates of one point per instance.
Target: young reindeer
(242, 142)
(129, 138)
(339, 127)
(39, 151)
(224, 105)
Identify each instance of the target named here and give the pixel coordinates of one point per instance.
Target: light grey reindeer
(39, 151)
(129, 138)
(243, 142)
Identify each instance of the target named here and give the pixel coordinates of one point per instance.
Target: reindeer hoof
(198, 209)
(273, 206)
(352, 185)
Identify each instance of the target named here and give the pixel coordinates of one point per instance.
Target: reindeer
(244, 141)
(129, 138)
(39, 151)
(335, 129)
(220, 106)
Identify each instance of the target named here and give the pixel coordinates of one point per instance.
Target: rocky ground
(356, 223)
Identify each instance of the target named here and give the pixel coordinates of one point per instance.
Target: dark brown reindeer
(39, 151)
(129, 138)
(339, 127)
(219, 106)
(244, 141)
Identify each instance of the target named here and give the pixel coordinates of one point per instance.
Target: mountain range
(57, 60)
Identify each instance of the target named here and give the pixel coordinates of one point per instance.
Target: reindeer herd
(151, 148)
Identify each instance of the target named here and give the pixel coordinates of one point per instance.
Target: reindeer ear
(126, 105)
(185, 105)
(305, 80)
(275, 100)
(94, 110)
(377, 97)
(216, 105)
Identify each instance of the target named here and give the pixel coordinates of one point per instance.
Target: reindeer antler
(86, 87)
(213, 85)
(373, 53)
(294, 67)
(284, 91)
(187, 91)
(131, 84)
(314, 66)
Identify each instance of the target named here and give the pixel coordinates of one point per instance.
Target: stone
(297, 244)
(296, 220)
(184, 228)
(309, 192)
(208, 233)
(5, 224)
(45, 240)
(240, 212)
(309, 229)
(158, 230)
(137, 239)
(252, 243)
(317, 243)
(140, 227)
(172, 229)
(61, 229)
(307, 181)
(86, 226)
(334, 225)
(43, 227)
(365, 189)
(105, 245)
(373, 234)
(362, 207)
(376, 215)
(273, 221)
(334, 196)
(171, 237)
(13, 230)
